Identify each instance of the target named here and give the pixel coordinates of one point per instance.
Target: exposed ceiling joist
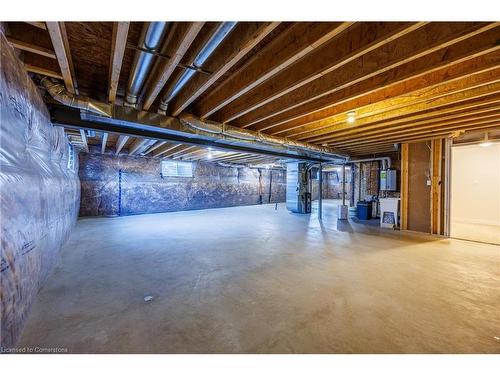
(297, 41)
(222, 62)
(167, 67)
(103, 142)
(19, 44)
(57, 32)
(426, 49)
(416, 89)
(42, 71)
(119, 41)
(83, 137)
(121, 141)
(348, 46)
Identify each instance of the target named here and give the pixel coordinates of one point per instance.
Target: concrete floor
(256, 280)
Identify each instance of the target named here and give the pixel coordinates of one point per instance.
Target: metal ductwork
(386, 161)
(59, 93)
(246, 135)
(151, 38)
(220, 34)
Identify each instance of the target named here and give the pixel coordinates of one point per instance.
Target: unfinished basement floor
(259, 280)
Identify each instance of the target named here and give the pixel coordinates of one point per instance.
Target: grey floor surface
(259, 280)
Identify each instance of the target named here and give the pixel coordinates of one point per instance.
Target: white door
(475, 193)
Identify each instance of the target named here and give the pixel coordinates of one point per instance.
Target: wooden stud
(42, 71)
(347, 47)
(104, 141)
(414, 91)
(385, 66)
(221, 63)
(120, 142)
(167, 67)
(57, 32)
(119, 41)
(289, 46)
(40, 25)
(137, 145)
(83, 136)
(19, 44)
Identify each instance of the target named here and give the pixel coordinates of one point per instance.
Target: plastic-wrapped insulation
(39, 192)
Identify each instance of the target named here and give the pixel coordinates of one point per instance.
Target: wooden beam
(19, 44)
(57, 32)
(118, 43)
(439, 123)
(40, 25)
(426, 135)
(287, 48)
(346, 47)
(120, 142)
(165, 149)
(42, 71)
(189, 154)
(415, 90)
(167, 67)
(344, 128)
(137, 145)
(395, 62)
(436, 160)
(104, 141)
(236, 46)
(183, 148)
(155, 146)
(83, 136)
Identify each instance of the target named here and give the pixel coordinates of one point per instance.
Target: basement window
(176, 168)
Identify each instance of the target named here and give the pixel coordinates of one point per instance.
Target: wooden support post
(436, 157)
(447, 185)
(404, 186)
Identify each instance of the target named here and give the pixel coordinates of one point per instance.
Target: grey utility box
(388, 180)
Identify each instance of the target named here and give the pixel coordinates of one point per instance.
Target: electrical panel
(298, 195)
(388, 180)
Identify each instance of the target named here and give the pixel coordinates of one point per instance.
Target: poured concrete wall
(144, 190)
(39, 194)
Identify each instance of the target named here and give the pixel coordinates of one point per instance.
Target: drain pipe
(220, 34)
(59, 93)
(152, 35)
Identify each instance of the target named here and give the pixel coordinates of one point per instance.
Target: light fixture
(351, 116)
(485, 142)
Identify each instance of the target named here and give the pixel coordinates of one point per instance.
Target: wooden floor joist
(57, 32)
(398, 81)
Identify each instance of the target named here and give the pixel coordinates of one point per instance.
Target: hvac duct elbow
(151, 40)
(59, 93)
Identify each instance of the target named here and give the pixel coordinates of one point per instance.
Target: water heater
(388, 180)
